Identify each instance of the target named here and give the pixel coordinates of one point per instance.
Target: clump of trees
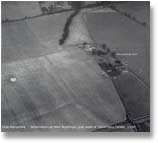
(76, 6)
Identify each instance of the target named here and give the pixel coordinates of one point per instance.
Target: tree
(76, 4)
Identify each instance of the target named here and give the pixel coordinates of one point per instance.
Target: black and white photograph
(75, 66)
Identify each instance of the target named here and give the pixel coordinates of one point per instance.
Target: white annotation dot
(13, 79)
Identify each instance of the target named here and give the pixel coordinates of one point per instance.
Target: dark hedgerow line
(49, 13)
(66, 27)
(128, 15)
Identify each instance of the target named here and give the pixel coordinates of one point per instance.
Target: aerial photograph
(75, 66)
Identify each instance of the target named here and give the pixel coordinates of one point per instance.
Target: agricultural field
(79, 67)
